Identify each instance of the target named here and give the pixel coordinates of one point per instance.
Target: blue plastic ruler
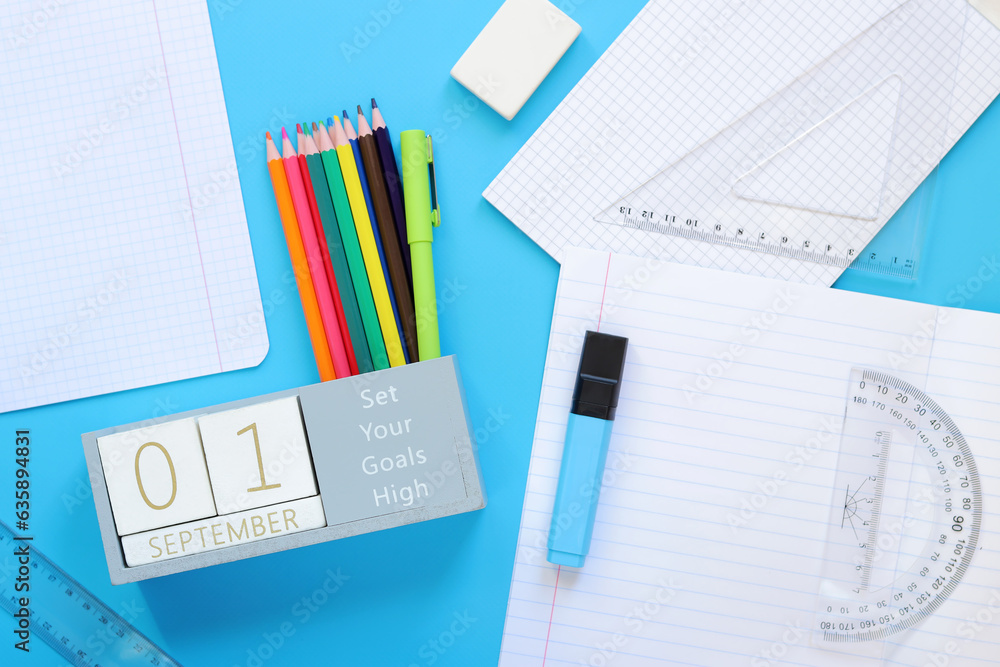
(69, 618)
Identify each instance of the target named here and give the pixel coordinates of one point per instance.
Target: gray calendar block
(388, 448)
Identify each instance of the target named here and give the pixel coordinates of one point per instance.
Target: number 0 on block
(156, 476)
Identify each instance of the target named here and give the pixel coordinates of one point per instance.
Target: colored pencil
(366, 238)
(324, 295)
(393, 183)
(324, 250)
(352, 138)
(300, 266)
(352, 248)
(387, 226)
(330, 235)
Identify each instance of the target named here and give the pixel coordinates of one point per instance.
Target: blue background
(406, 586)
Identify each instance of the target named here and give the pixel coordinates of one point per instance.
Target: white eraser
(514, 52)
(988, 8)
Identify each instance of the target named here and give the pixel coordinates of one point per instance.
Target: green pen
(422, 215)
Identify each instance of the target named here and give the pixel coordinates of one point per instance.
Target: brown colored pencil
(387, 228)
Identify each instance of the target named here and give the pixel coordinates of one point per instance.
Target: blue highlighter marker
(588, 432)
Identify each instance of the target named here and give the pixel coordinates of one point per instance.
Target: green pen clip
(435, 209)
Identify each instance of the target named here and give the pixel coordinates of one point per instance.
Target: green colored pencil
(352, 248)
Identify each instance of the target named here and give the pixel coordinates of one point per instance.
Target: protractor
(906, 513)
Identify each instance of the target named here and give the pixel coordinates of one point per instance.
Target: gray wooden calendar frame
(325, 407)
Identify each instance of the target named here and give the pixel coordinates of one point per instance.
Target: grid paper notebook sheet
(125, 253)
(806, 122)
(699, 557)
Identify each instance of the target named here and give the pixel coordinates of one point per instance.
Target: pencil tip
(374, 106)
(298, 128)
(360, 112)
(268, 135)
(316, 127)
(329, 120)
(284, 133)
(344, 114)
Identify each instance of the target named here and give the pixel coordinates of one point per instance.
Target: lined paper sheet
(698, 557)
(124, 247)
(668, 103)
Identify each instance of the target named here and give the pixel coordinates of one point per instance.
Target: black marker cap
(599, 380)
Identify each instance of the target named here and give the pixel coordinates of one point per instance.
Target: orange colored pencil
(300, 267)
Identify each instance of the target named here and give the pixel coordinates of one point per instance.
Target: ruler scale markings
(81, 628)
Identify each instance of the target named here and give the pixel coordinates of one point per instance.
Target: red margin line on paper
(552, 611)
(187, 184)
(555, 588)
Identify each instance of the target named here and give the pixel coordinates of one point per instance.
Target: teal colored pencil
(338, 257)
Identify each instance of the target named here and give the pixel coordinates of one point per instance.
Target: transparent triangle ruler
(815, 171)
(905, 519)
(73, 621)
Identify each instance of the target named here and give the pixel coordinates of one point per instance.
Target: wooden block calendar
(284, 470)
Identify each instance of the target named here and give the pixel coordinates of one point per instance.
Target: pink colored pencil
(314, 257)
